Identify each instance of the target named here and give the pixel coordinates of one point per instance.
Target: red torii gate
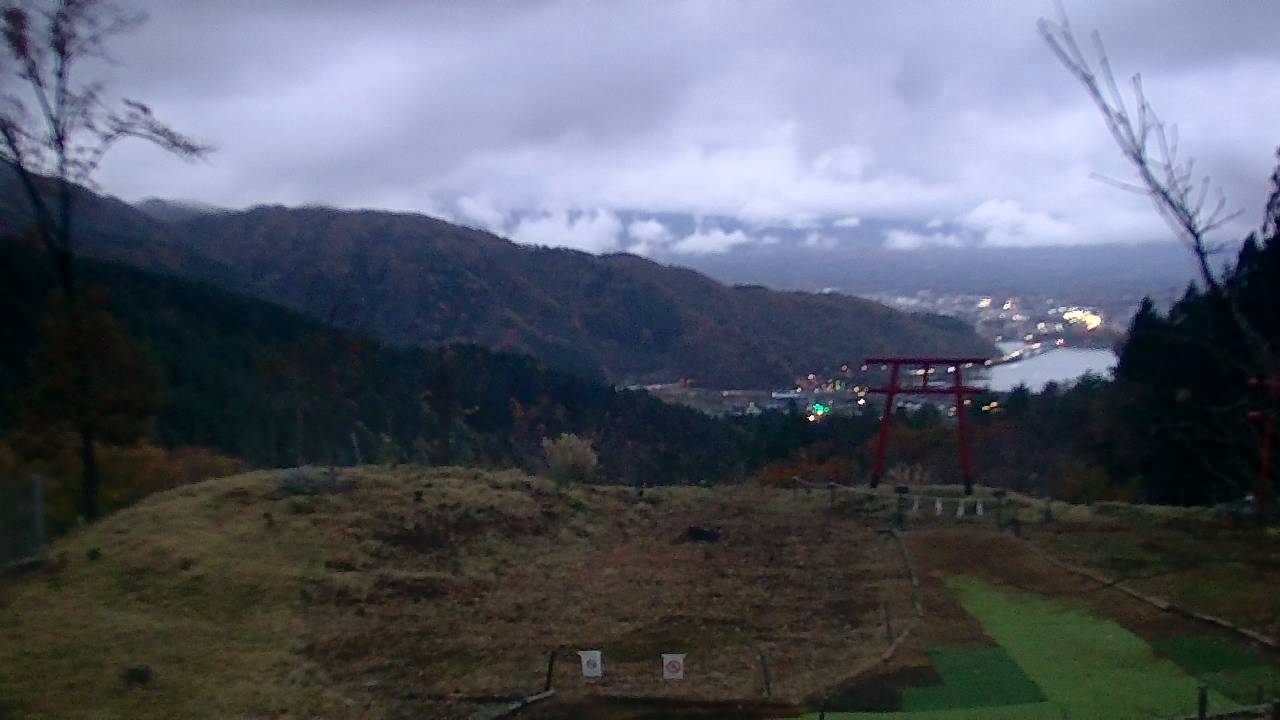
(957, 388)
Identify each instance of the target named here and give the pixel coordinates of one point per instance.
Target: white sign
(673, 666)
(915, 506)
(592, 665)
(979, 508)
(937, 507)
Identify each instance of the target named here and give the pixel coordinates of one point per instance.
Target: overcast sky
(939, 121)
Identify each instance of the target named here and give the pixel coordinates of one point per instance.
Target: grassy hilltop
(414, 593)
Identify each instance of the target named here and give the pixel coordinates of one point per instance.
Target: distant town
(1026, 319)
(1022, 327)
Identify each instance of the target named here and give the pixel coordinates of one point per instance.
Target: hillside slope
(412, 279)
(269, 385)
(109, 229)
(427, 593)
(392, 594)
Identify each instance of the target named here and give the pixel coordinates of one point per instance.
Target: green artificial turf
(1222, 665)
(1034, 711)
(973, 676)
(1085, 666)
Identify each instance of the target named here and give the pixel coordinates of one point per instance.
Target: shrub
(569, 458)
(832, 470)
(904, 474)
(129, 474)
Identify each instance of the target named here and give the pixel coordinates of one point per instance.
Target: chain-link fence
(22, 529)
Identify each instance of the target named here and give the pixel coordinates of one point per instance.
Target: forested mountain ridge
(411, 279)
(108, 229)
(259, 382)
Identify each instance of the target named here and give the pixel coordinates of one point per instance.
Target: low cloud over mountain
(550, 122)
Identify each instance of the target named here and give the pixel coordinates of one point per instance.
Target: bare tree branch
(71, 129)
(1166, 178)
(1194, 208)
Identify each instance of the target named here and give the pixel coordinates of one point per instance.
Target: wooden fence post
(900, 516)
(764, 671)
(551, 666)
(355, 445)
(37, 512)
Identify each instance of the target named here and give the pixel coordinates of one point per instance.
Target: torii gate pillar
(958, 389)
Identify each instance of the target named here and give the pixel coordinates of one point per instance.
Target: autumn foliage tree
(89, 379)
(319, 379)
(55, 129)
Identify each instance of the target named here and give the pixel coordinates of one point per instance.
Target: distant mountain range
(1112, 274)
(860, 256)
(854, 256)
(175, 210)
(412, 279)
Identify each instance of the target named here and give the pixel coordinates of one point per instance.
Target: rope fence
(1007, 511)
(914, 505)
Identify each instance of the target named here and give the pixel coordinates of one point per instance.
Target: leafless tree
(1151, 147)
(1168, 179)
(56, 128)
(1194, 208)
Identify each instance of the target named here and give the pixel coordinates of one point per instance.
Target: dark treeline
(269, 387)
(1185, 420)
(1197, 385)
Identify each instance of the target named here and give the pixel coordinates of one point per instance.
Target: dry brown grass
(420, 593)
(1197, 562)
(190, 582)
(412, 593)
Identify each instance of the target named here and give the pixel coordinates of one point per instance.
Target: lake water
(1060, 365)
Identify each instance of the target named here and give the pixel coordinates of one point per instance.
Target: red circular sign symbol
(673, 666)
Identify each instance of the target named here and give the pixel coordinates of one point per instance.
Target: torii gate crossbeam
(957, 388)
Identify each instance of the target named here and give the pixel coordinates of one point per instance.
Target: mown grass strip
(1222, 665)
(1032, 711)
(973, 676)
(1086, 666)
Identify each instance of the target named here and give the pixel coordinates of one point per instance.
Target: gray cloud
(596, 231)
(711, 240)
(544, 120)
